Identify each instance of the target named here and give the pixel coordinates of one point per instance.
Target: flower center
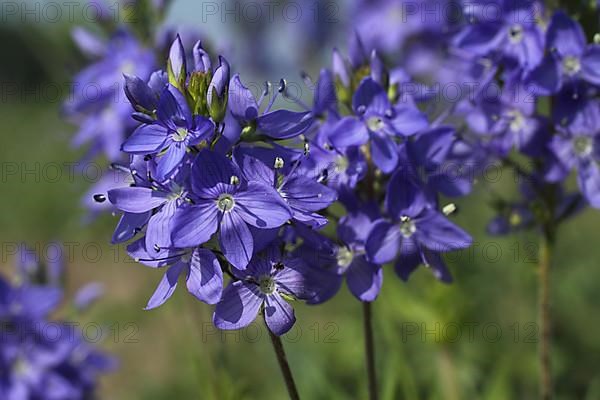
(407, 227)
(176, 193)
(517, 120)
(515, 219)
(180, 134)
(225, 202)
(341, 164)
(583, 145)
(128, 68)
(571, 65)
(344, 257)
(266, 284)
(515, 33)
(374, 124)
(21, 366)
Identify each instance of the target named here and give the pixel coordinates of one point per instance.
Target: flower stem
(284, 366)
(546, 245)
(370, 350)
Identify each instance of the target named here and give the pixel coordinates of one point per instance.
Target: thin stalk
(284, 366)
(545, 374)
(370, 350)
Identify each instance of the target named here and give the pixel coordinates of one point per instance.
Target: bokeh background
(474, 339)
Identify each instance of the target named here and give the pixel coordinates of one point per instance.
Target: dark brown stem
(370, 350)
(284, 366)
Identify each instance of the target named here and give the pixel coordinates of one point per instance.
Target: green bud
(197, 89)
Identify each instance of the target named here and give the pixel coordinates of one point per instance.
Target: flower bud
(202, 61)
(217, 91)
(379, 72)
(176, 65)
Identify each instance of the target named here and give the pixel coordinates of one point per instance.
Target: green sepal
(218, 106)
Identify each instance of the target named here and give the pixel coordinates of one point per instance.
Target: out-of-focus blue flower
(577, 146)
(569, 57)
(35, 364)
(97, 103)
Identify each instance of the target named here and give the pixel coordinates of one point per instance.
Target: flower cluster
(543, 116)
(41, 358)
(226, 186)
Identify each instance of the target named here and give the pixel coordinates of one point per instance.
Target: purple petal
(129, 225)
(166, 286)
(194, 225)
(173, 107)
(364, 279)
(432, 147)
(219, 80)
(146, 139)
(348, 131)
(437, 233)
(480, 38)
(590, 65)
(279, 314)
(284, 124)
(372, 97)
(88, 295)
(407, 263)
(294, 279)
(238, 307)
(254, 169)
(306, 194)
(88, 42)
(384, 151)
(383, 242)
(545, 79)
(324, 93)
(565, 35)
(404, 197)
(262, 206)
(354, 228)
(236, 240)
(177, 59)
(168, 162)
(340, 68)
(241, 101)
(205, 279)
(139, 93)
(158, 232)
(136, 199)
(211, 169)
(137, 251)
(407, 121)
(589, 183)
(435, 262)
(201, 59)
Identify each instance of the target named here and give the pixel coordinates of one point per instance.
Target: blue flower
(224, 200)
(102, 119)
(569, 57)
(174, 131)
(416, 233)
(377, 122)
(577, 146)
(265, 284)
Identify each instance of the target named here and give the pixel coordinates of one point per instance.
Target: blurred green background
(474, 339)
